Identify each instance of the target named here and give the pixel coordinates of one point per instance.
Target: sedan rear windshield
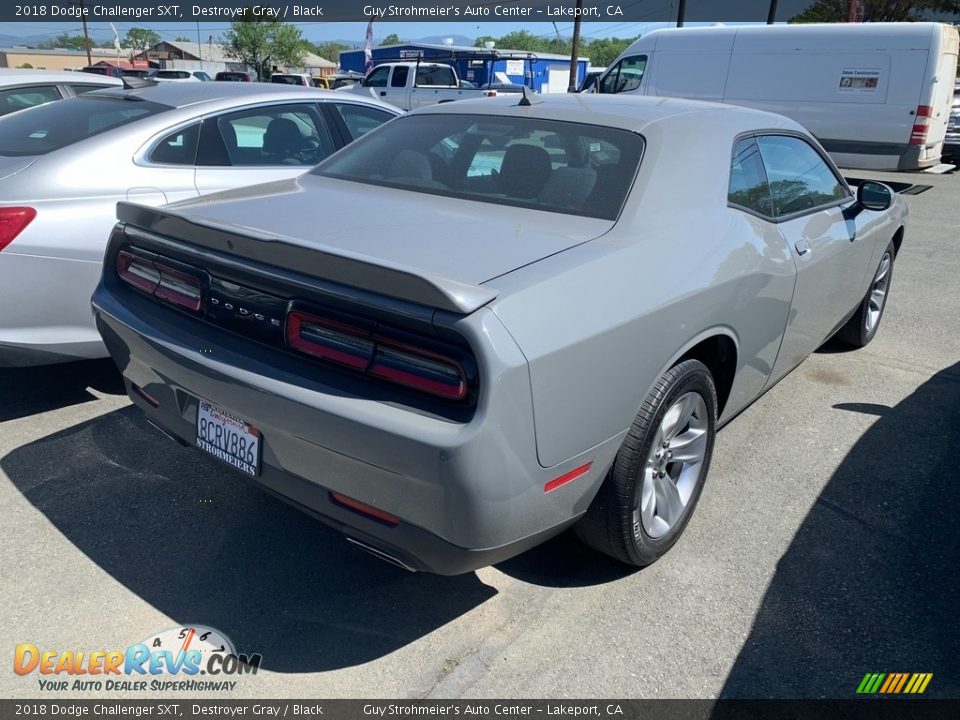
(56, 125)
(563, 167)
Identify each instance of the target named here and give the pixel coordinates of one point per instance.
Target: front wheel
(656, 479)
(862, 327)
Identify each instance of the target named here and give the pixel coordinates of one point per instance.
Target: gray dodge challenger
(488, 321)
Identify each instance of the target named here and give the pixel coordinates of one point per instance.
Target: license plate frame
(237, 444)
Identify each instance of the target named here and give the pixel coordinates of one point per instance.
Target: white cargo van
(876, 95)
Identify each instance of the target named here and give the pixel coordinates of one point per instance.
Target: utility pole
(681, 11)
(86, 35)
(772, 15)
(575, 50)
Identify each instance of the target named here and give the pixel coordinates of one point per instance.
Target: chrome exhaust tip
(380, 554)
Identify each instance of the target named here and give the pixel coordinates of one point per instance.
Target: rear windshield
(56, 125)
(548, 165)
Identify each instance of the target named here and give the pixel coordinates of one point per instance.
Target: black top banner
(159, 11)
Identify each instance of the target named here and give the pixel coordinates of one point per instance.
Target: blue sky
(332, 31)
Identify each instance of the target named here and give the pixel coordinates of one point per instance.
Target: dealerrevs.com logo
(172, 660)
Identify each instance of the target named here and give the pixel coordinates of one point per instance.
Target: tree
(392, 39)
(260, 43)
(875, 10)
(603, 51)
(67, 41)
(328, 50)
(139, 39)
(181, 38)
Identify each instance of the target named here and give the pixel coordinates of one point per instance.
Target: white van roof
(862, 36)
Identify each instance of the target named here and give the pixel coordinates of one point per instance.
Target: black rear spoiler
(338, 266)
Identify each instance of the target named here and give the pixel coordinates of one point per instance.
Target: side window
(24, 97)
(82, 88)
(798, 176)
(435, 75)
(361, 119)
(275, 135)
(177, 148)
(748, 180)
(377, 77)
(399, 78)
(625, 76)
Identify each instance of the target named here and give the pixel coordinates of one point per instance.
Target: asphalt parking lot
(826, 544)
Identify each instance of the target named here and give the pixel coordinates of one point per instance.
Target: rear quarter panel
(601, 322)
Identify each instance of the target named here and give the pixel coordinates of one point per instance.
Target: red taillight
(12, 222)
(429, 373)
(364, 509)
(329, 340)
(379, 355)
(918, 135)
(161, 280)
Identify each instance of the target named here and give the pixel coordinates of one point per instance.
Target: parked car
(180, 76)
(145, 73)
(411, 84)
(235, 76)
(345, 79)
(106, 70)
(469, 355)
(64, 166)
(292, 79)
(951, 143)
(21, 89)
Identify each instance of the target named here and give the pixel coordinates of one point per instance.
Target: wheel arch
(897, 240)
(717, 349)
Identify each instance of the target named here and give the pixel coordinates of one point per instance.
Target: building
(59, 58)
(544, 72)
(209, 57)
(212, 58)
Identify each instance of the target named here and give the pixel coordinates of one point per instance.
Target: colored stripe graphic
(894, 683)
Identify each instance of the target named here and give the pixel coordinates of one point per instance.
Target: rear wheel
(656, 479)
(861, 328)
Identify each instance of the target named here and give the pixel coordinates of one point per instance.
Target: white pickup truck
(410, 85)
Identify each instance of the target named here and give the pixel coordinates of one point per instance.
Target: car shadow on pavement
(870, 581)
(196, 541)
(30, 390)
(565, 562)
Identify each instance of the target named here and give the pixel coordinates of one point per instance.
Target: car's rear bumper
(48, 318)
(466, 494)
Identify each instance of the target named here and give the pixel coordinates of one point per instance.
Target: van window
(625, 75)
(748, 180)
(799, 177)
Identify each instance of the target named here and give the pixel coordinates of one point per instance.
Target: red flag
(855, 11)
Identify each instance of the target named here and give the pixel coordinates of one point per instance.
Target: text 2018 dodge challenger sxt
(487, 321)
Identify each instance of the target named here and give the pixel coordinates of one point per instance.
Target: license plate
(228, 438)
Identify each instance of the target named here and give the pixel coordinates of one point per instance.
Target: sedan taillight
(376, 354)
(12, 222)
(161, 280)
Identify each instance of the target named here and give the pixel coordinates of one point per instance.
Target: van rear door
(938, 95)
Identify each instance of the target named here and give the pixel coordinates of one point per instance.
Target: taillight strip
(376, 354)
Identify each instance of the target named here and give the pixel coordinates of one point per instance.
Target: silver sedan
(520, 314)
(64, 166)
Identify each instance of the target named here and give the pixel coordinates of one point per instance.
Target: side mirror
(872, 195)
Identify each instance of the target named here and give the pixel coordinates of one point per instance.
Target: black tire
(858, 330)
(612, 524)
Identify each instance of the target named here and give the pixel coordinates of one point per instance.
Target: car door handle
(802, 247)
(383, 93)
